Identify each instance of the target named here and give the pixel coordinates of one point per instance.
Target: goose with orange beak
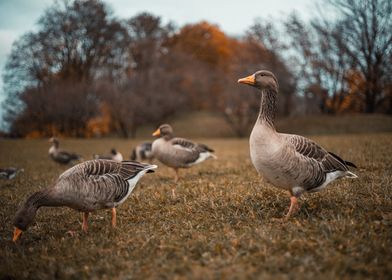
(288, 161)
(178, 152)
(86, 187)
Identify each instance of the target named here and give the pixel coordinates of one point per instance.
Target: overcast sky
(233, 17)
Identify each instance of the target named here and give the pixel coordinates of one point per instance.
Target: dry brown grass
(222, 223)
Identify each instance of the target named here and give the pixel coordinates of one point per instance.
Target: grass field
(222, 224)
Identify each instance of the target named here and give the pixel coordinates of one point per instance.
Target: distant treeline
(87, 73)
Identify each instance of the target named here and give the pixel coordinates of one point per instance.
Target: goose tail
(213, 156)
(349, 174)
(350, 164)
(151, 168)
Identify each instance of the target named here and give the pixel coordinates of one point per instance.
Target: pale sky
(233, 17)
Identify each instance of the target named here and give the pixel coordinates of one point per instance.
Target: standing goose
(114, 155)
(9, 173)
(291, 162)
(142, 152)
(86, 187)
(178, 152)
(61, 156)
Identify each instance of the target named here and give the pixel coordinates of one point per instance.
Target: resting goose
(178, 152)
(9, 173)
(114, 155)
(60, 156)
(142, 152)
(86, 187)
(291, 162)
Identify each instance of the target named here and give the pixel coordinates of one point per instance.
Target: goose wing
(103, 181)
(310, 150)
(190, 152)
(65, 157)
(185, 144)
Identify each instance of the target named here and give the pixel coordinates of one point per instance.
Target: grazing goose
(60, 156)
(291, 162)
(88, 186)
(178, 152)
(114, 155)
(9, 173)
(142, 152)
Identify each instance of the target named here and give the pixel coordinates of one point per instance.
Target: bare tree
(358, 39)
(364, 35)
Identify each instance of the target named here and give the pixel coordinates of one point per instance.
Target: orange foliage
(99, 126)
(354, 102)
(35, 134)
(205, 42)
(351, 100)
(47, 131)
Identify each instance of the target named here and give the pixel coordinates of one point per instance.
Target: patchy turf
(223, 222)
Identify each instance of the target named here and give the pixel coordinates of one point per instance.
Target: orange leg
(85, 225)
(177, 176)
(114, 217)
(294, 207)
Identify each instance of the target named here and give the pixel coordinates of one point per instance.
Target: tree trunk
(370, 102)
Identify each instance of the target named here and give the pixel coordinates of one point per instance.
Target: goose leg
(114, 217)
(177, 177)
(85, 225)
(294, 207)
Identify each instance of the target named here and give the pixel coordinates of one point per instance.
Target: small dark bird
(114, 155)
(142, 152)
(288, 161)
(60, 156)
(86, 187)
(9, 173)
(178, 152)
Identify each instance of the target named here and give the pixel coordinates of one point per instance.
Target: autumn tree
(207, 52)
(75, 44)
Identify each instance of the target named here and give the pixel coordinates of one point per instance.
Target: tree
(257, 50)
(76, 43)
(209, 51)
(357, 39)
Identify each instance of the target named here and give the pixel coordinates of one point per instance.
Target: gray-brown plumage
(9, 173)
(59, 155)
(142, 152)
(178, 152)
(86, 187)
(289, 161)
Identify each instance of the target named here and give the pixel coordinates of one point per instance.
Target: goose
(287, 161)
(86, 187)
(142, 152)
(114, 155)
(9, 173)
(178, 152)
(59, 155)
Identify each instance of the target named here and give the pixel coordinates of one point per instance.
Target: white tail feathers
(213, 156)
(349, 174)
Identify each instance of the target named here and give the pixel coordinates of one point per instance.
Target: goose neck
(268, 108)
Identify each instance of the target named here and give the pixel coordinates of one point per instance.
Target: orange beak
(17, 233)
(157, 132)
(250, 80)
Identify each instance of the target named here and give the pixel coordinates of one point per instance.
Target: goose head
(165, 131)
(262, 79)
(22, 221)
(54, 141)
